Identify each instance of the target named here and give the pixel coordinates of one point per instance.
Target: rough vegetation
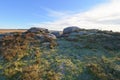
(77, 54)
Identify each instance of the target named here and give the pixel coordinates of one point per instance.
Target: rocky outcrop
(71, 29)
(37, 30)
(41, 35)
(52, 36)
(57, 33)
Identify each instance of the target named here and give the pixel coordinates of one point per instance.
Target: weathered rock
(74, 34)
(40, 37)
(57, 33)
(38, 30)
(71, 29)
(52, 36)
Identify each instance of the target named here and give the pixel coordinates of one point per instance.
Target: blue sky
(42, 13)
(22, 13)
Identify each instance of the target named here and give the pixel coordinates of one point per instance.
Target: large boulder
(45, 37)
(51, 36)
(37, 30)
(57, 33)
(40, 37)
(71, 29)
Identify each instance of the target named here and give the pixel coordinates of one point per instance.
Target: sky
(58, 14)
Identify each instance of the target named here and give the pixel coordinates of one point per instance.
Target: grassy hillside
(93, 56)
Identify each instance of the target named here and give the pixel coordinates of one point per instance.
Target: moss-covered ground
(74, 58)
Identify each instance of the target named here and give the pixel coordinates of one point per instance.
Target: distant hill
(12, 30)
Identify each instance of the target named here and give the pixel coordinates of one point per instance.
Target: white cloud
(104, 16)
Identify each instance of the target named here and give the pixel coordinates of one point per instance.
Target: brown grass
(12, 30)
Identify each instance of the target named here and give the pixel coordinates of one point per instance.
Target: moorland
(71, 54)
